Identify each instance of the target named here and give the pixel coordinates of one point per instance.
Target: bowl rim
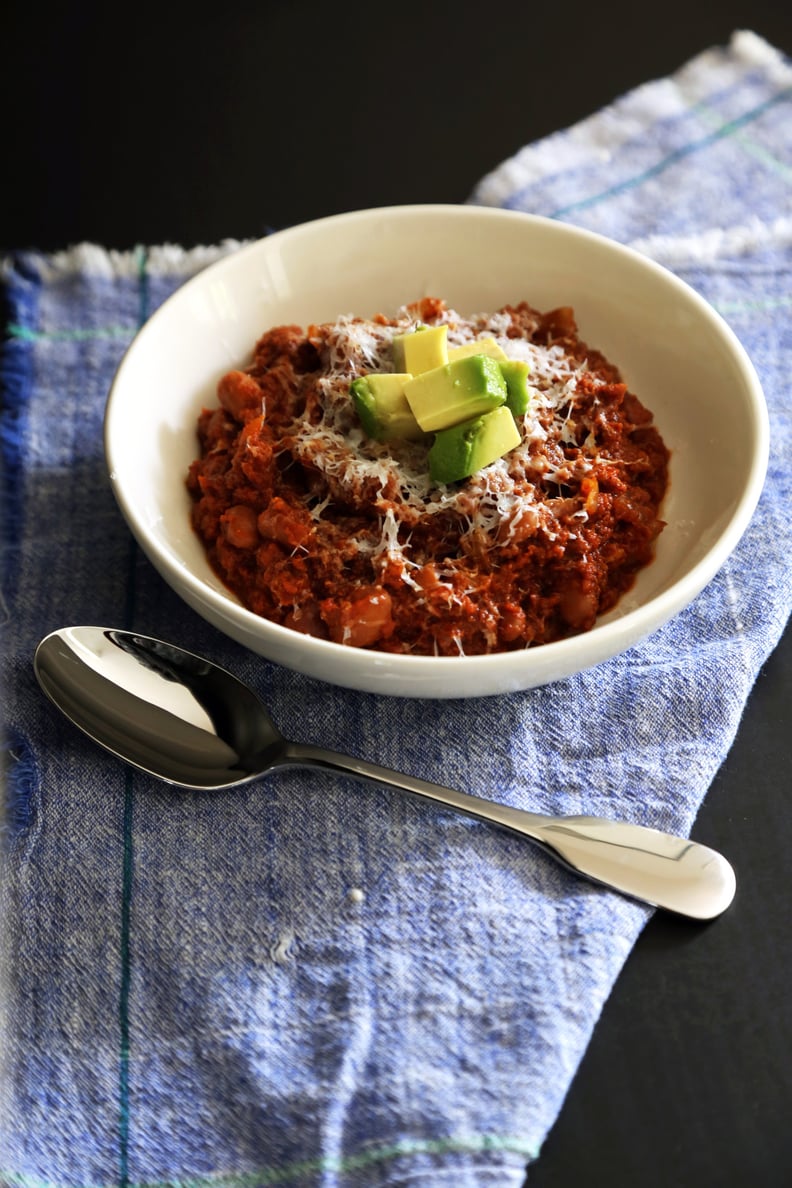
(632, 625)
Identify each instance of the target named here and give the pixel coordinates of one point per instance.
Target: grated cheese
(500, 503)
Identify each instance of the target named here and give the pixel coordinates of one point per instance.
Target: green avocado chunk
(382, 407)
(463, 449)
(421, 350)
(462, 389)
(518, 394)
(479, 346)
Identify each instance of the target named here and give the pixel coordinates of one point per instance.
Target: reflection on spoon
(185, 720)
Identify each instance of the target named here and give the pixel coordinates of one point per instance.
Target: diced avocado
(518, 394)
(456, 392)
(479, 346)
(463, 449)
(421, 350)
(382, 407)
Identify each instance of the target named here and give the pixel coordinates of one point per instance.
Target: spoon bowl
(183, 719)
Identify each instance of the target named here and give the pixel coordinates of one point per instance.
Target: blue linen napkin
(310, 982)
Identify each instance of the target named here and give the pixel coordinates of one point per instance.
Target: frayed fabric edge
(91, 259)
(717, 243)
(599, 135)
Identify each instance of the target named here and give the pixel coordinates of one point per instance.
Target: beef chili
(318, 527)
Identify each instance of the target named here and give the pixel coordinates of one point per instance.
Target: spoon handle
(647, 864)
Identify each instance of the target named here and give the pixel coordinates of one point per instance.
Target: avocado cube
(382, 407)
(460, 451)
(455, 392)
(518, 394)
(421, 350)
(479, 346)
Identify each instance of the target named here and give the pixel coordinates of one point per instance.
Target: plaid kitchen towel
(308, 982)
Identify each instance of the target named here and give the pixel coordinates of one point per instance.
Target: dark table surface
(174, 124)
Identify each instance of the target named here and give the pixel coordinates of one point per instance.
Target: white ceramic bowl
(673, 350)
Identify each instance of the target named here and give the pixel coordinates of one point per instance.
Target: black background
(154, 124)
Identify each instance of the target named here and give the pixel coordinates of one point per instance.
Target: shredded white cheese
(499, 503)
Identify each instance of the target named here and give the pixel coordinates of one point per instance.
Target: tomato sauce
(316, 527)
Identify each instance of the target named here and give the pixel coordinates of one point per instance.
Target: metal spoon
(181, 718)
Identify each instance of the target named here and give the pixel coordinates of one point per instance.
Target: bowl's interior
(673, 351)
